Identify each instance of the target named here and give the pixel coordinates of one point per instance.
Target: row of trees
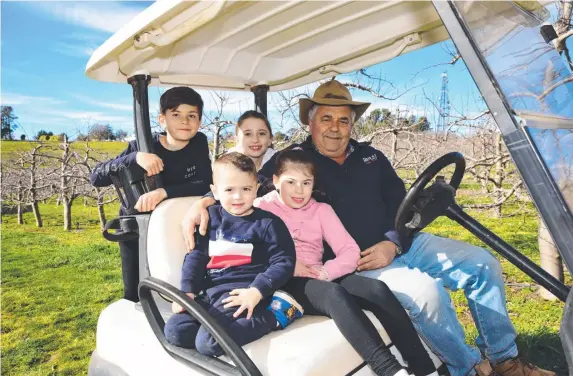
(56, 170)
(98, 131)
(53, 171)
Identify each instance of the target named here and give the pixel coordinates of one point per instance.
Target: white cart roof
(284, 44)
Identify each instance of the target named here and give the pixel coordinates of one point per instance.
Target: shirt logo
(370, 159)
(225, 254)
(191, 171)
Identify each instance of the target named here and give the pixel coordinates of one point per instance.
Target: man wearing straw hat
(365, 191)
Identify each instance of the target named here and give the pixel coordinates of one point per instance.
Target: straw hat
(331, 93)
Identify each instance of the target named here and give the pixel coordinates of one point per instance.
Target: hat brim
(306, 103)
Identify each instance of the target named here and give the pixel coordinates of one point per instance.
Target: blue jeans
(418, 278)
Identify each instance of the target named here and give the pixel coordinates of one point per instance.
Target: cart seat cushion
(312, 345)
(166, 247)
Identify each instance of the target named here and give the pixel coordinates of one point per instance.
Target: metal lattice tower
(445, 106)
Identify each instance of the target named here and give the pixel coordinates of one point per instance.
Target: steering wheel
(422, 205)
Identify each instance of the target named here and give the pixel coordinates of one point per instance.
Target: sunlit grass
(10, 149)
(55, 283)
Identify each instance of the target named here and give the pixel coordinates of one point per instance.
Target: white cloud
(110, 105)
(14, 99)
(89, 116)
(103, 16)
(73, 50)
(58, 115)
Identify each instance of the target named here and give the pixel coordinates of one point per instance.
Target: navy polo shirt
(364, 191)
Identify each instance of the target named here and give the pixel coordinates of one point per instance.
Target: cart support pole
(142, 124)
(560, 290)
(260, 93)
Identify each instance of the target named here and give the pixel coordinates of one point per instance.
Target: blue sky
(46, 45)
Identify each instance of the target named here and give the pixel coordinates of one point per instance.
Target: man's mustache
(333, 135)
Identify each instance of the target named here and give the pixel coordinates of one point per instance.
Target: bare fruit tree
(71, 182)
(102, 196)
(217, 123)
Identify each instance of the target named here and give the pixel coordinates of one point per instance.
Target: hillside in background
(10, 149)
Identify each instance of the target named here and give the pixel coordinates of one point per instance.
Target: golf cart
(274, 46)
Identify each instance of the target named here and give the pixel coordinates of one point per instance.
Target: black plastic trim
(260, 93)
(126, 231)
(139, 83)
(143, 136)
(244, 364)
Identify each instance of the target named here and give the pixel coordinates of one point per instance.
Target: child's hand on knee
(303, 270)
(322, 273)
(176, 308)
(246, 299)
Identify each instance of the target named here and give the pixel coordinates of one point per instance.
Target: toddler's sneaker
(285, 308)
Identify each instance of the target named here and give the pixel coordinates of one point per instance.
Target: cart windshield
(536, 80)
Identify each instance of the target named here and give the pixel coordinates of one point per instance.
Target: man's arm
(101, 174)
(393, 193)
(282, 258)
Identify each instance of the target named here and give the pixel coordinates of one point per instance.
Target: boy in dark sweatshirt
(181, 158)
(236, 267)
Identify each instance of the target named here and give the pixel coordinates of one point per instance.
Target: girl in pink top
(309, 222)
(331, 288)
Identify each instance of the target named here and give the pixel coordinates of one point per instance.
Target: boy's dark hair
(295, 156)
(254, 115)
(239, 161)
(179, 95)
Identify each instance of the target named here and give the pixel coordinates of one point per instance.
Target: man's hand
(245, 299)
(378, 256)
(303, 270)
(151, 163)
(176, 308)
(197, 215)
(148, 201)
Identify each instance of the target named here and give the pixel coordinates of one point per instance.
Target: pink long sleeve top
(311, 224)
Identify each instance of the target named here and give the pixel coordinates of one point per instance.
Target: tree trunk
(20, 210)
(498, 188)
(37, 214)
(216, 144)
(33, 193)
(394, 147)
(67, 214)
(20, 198)
(550, 258)
(101, 210)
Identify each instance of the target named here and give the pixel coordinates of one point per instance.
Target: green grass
(55, 283)
(10, 149)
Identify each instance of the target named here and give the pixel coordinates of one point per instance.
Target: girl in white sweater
(254, 137)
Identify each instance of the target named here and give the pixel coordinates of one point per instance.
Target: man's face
(330, 129)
